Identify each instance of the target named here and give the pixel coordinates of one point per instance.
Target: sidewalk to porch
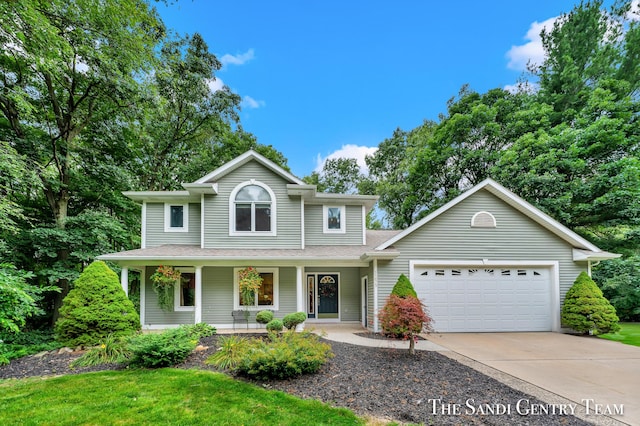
(347, 333)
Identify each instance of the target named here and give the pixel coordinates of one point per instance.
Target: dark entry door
(328, 295)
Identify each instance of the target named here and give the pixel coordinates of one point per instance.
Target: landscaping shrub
(403, 287)
(284, 356)
(110, 350)
(155, 350)
(95, 308)
(264, 317)
(291, 321)
(586, 310)
(275, 325)
(232, 349)
(200, 330)
(405, 318)
(17, 345)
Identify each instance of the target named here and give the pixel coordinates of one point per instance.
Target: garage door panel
(486, 299)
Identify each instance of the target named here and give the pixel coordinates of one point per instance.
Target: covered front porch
(208, 292)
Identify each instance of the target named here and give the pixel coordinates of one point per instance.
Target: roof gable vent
(483, 220)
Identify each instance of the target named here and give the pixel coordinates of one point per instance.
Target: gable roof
(244, 159)
(523, 207)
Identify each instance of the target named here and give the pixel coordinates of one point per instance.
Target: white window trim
(276, 287)
(167, 218)
(473, 220)
(176, 293)
(325, 220)
(232, 212)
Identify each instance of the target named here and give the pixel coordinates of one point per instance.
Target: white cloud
(215, 84)
(348, 151)
(249, 102)
(238, 59)
(532, 51)
(634, 13)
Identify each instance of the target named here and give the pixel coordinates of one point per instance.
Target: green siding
(217, 295)
(156, 316)
(155, 227)
(288, 222)
(450, 237)
(314, 229)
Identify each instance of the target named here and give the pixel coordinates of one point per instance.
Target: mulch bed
(380, 336)
(382, 383)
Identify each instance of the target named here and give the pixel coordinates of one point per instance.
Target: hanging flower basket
(164, 279)
(249, 281)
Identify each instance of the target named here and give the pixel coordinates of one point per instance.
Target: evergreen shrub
(286, 355)
(586, 310)
(264, 317)
(275, 325)
(95, 308)
(291, 321)
(404, 288)
(166, 349)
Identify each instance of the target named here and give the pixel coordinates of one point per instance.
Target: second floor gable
(251, 202)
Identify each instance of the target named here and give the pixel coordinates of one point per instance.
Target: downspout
(375, 296)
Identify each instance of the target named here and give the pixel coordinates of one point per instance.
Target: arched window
(252, 209)
(483, 220)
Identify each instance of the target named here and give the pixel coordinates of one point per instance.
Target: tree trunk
(412, 345)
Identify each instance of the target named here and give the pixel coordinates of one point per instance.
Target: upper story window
(252, 210)
(176, 217)
(334, 219)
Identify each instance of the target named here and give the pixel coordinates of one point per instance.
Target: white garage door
(473, 299)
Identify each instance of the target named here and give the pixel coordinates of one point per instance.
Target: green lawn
(629, 334)
(152, 397)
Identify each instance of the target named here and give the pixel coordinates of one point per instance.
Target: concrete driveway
(601, 376)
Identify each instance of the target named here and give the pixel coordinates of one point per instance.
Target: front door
(328, 296)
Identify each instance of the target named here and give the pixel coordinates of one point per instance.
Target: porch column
(198, 302)
(375, 296)
(299, 294)
(124, 280)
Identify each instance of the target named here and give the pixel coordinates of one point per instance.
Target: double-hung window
(252, 210)
(334, 218)
(176, 217)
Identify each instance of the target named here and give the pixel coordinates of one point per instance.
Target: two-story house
(486, 261)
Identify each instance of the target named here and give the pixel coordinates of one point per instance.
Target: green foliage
(404, 317)
(110, 350)
(403, 287)
(264, 317)
(200, 330)
(166, 349)
(275, 325)
(18, 299)
(231, 351)
(96, 308)
(291, 321)
(338, 176)
(285, 356)
(17, 345)
(620, 283)
(586, 310)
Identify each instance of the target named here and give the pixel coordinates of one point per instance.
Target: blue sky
(336, 78)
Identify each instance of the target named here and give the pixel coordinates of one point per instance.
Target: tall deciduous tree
(63, 66)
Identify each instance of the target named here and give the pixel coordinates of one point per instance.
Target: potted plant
(164, 278)
(249, 281)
